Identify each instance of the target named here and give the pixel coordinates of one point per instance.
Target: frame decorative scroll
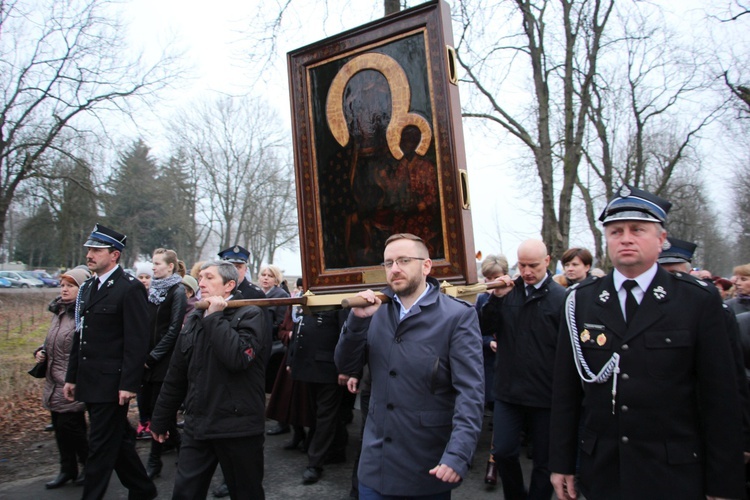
(379, 149)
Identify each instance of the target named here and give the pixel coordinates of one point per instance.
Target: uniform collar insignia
(110, 283)
(604, 296)
(701, 282)
(659, 292)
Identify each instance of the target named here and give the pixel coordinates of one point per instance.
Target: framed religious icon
(379, 150)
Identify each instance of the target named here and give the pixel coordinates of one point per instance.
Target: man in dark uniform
(644, 366)
(239, 256)
(677, 255)
(218, 370)
(311, 361)
(106, 365)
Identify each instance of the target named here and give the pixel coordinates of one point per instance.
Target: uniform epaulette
(689, 278)
(588, 281)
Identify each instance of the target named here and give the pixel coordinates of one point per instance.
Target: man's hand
(125, 397)
(160, 437)
(505, 290)
(367, 311)
(353, 385)
(69, 391)
(564, 485)
(445, 474)
(215, 304)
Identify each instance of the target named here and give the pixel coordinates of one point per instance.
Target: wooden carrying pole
(346, 300)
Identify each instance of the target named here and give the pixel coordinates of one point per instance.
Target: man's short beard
(410, 287)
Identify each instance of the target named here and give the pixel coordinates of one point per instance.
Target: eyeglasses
(400, 262)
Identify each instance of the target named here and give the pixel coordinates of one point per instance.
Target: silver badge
(659, 292)
(236, 249)
(604, 296)
(701, 282)
(624, 192)
(110, 283)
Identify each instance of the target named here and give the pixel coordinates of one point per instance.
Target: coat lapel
(104, 290)
(609, 311)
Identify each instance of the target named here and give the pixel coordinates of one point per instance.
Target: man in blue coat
(424, 350)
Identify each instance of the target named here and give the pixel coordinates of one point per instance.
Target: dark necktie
(529, 290)
(631, 305)
(94, 289)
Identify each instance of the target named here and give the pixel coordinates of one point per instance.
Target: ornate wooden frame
(358, 179)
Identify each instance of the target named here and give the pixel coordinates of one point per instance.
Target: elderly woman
(67, 416)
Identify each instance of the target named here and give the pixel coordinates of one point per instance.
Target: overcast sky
(210, 36)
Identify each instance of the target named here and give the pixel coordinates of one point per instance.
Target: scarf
(157, 292)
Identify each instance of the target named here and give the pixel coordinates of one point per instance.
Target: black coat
(218, 369)
(108, 355)
(313, 345)
(166, 323)
(675, 428)
(526, 339)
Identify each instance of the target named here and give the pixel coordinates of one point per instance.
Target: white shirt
(403, 311)
(644, 280)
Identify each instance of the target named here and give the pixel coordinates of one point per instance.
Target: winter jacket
(166, 323)
(58, 344)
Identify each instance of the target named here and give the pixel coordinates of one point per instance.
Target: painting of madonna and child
(382, 162)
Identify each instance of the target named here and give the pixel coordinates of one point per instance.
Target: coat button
(668, 340)
(392, 373)
(387, 440)
(625, 347)
(625, 376)
(624, 440)
(389, 406)
(624, 408)
(398, 340)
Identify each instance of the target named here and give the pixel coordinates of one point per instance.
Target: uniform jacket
(166, 323)
(427, 391)
(527, 329)
(675, 428)
(57, 345)
(313, 345)
(218, 369)
(109, 352)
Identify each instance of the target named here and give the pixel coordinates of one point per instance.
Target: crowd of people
(630, 384)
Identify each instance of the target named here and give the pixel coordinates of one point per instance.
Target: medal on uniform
(601, 339)
(585, 336)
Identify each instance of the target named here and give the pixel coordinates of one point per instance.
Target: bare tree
(233, 143)
(557, 49)
(62, 63)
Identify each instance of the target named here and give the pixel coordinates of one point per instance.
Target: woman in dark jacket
(167, 302)
(67, 416)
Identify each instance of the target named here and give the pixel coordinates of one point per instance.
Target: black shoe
(81, 479)
(311, 475)
(60, 480)
(298, 439)
(279, 429)
(222, 491)
(154, 466)
(490, 475)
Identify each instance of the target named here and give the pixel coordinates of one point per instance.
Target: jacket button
(392, 373)
(387, 440)
(624, 408)
(389, 406)
(625, 376)
(624, 440)
(625, 347)
(398, 340)
(84, 358)
(668, 340)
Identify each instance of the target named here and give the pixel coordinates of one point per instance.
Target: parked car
(20, 281)
(5, 283)
(48, 280)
